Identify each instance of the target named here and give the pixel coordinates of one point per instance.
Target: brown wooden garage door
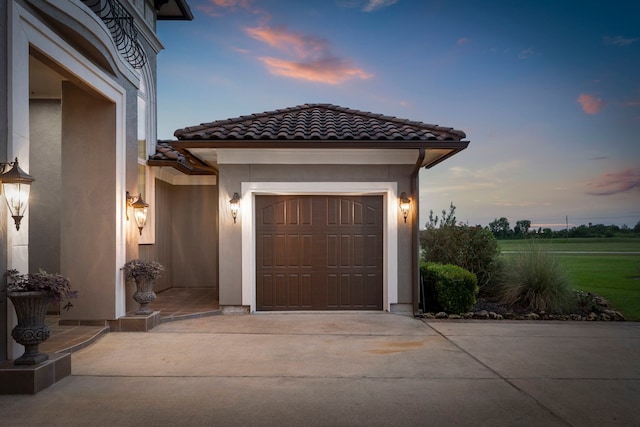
(319, 253)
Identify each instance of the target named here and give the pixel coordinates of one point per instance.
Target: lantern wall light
(16, 184)
(234, 204)
(405, 205)
(140, 208)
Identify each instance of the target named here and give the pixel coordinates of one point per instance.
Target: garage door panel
(281, 290)
(345, 251)
(319, 252)
(332, 250)
(358, 250)
(294, 258)
(332, 290)
(305, 291)
(332, 213)
(265, 292)
(358, 217)
(357, 289)
(306, 250)
(346, 213)
(370, 285)
(293, 290)
(280, 250)
(265, 247)
(345, 290)
(372, 256)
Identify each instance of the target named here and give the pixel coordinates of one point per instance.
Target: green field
(613, 244)
(609, 267)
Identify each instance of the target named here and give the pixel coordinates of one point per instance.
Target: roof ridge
(238, 127)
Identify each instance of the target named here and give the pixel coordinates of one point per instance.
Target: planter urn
(144, 295)
(31, 331)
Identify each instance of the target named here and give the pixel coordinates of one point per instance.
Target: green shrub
(472, 248)
(535, 280)
(448, 288)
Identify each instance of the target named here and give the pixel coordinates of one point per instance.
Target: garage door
(319, 253)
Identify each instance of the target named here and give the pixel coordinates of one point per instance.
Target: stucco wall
(45, 129)
(186, 235)
(78, 197)
(233, 175)
(4, 135)
(87, 226)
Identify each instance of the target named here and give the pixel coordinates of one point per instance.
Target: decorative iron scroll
(120, 24)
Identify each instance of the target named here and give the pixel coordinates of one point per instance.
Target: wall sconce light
(16, 184)
(405, 204)
(140, 208)
(234, 204)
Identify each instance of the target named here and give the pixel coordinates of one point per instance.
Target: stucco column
(88, 202)
(230, 236)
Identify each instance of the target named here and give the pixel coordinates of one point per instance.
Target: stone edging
(604, 315)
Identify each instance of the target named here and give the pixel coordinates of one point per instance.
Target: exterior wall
(186, 236)
(88, 225)
(230, 235)
(234, 177)
(161, 251)
(4, 137)
(194, 236)
(45, 152)
(97, 159)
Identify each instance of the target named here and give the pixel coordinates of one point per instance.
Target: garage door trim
(390, 227)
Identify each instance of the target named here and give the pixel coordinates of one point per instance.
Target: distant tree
(547, 233)
(500, 228)
(522, 228)
(636, 229)
(579, 231)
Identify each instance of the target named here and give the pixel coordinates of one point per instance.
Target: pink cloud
(616, 182)
(590, 104)
(218, 7)
(298, 44)
(310, 58)
(463, 40)
(329, 70)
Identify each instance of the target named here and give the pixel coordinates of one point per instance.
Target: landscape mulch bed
(595, 308)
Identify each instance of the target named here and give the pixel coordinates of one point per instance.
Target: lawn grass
(615, 277)
(613, 244)
(607, 272)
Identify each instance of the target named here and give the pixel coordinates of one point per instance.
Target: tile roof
(182, 160)
(318, 122)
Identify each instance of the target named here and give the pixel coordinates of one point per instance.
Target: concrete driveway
(347, 370)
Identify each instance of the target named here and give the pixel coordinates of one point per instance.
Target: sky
(547, 91)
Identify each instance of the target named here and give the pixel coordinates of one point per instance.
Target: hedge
(448, 288)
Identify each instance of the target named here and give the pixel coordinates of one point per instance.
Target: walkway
(347, 370)
(173, 304)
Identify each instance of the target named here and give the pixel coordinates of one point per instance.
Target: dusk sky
(548, 91)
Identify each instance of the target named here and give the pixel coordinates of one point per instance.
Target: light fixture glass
(405, 205)
(234, 204)
(140, 209)
(16, 184)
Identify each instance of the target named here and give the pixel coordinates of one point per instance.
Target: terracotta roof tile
(318, 122)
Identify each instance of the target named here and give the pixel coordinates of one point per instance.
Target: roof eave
(453, 149)
(330, 144)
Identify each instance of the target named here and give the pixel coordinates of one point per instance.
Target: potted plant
(144, 273)
(31, 294)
